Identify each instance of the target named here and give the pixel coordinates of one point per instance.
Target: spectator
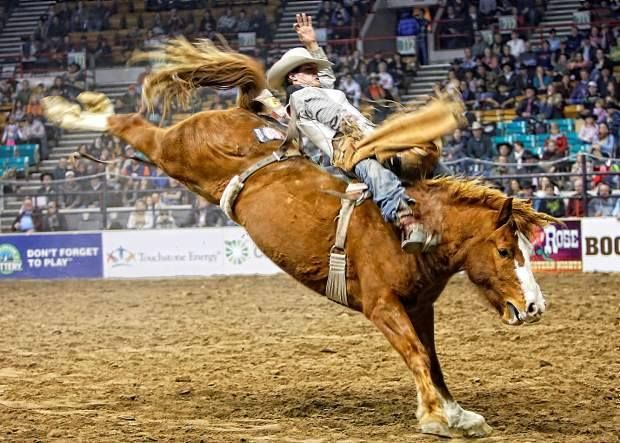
(227, 23)
(575, 207)
(60, 169)
(131, 99)
(540, 80)
(516, 45)
(573, 41)
(207, 19)
(28, 219)
(452, 30)
(165, 220)
(454, 149)
(47, 191)
(479, 46)
(589, 130)
(33, 131)
(603, 204)
(605, 141)
(243, 24)
(552, 206)
(173, 195)
(24, 92)
(385, 79)
(71, 192)
(529, 106)
(561, 142)
(550, 106)
(258, 24)
(553, 40)
(11, 134)
(510, 79)
(407, 24)
(140, 218)
(205, 214)
(351, 89)
(479, 146)
(53, 221)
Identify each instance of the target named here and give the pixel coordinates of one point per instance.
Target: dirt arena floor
(263, 359)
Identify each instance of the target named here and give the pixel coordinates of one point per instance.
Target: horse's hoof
(471, 424)
(434, 427)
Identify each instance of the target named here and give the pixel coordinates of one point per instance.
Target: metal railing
(482, 169)
(111, 205)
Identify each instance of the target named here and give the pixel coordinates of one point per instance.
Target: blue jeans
(387, 190)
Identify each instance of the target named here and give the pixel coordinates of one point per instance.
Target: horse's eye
(504, 253)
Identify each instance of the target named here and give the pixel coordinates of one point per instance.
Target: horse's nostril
(532, 308)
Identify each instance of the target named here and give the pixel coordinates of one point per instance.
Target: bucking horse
(289, 207)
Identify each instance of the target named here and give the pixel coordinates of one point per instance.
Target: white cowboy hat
(476, 125)
(293, 58)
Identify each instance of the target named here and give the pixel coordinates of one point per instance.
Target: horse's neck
(461, 226)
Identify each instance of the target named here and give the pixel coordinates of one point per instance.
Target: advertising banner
(557, 248)
(601, 244)
(186, 252)
(51, 256)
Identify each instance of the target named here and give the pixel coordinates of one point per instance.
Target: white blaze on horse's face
(534, 300)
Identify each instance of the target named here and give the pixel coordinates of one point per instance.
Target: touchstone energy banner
(601, 244)
(51, 256)
(184, 252)
(557, 248)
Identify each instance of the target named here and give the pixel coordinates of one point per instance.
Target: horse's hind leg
(460, 421)
(389, 315)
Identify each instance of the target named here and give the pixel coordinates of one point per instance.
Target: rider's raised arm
(307, 36)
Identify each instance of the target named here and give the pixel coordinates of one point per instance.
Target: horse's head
(500, 266)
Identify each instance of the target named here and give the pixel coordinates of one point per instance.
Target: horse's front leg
(389, 315)
(460, 421)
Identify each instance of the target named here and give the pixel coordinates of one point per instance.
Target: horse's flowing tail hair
(188, 66)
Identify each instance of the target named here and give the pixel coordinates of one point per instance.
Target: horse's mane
(188, 66)
(474, 192)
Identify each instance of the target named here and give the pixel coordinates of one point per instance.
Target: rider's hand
(305, 31)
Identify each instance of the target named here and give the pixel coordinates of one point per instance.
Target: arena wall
(589, 245)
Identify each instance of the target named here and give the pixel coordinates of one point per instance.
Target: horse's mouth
(514, 318)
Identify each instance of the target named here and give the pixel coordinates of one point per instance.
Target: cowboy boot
(413, 237)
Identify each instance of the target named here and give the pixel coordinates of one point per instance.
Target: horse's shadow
(506, 410)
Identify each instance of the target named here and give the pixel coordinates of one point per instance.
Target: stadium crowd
(540, 79)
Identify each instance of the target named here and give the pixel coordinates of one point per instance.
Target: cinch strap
(336, 289)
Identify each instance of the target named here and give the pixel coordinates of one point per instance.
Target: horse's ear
(505, 214)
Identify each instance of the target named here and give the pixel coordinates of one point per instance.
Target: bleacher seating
(30, 151)
(20, 164)
(510, 132)
(130, 14)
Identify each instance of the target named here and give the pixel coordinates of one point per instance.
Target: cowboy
(321, 112)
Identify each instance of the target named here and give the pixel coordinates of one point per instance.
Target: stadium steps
(558, 14)
(113, 91)
(422, 86)
(67, 144)
(285, 36)
(22, 22)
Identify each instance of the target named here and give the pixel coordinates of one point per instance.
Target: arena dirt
(263, 359)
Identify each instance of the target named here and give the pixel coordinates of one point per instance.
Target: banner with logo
(50, 256)
(601, 244)
(557, 248)
(186, 252)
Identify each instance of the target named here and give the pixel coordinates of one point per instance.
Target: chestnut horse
(288, 213)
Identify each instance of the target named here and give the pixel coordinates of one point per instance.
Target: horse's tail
(188, 66)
